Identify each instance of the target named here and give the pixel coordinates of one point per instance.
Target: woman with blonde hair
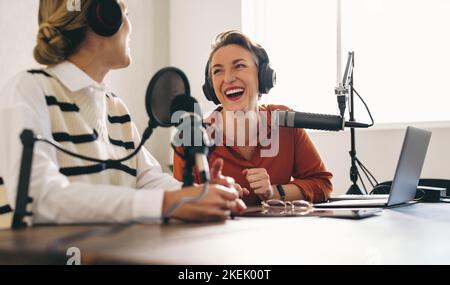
(67, 101)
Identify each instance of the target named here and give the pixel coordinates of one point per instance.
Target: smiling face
(234, 75)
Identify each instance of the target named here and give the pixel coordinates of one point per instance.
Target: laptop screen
(409, 166)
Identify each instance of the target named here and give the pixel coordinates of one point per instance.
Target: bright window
(402, 54)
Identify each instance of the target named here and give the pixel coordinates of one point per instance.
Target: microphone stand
(354, 173)
(22, 199)
(188, 172)
(355, 162)
(192, 155)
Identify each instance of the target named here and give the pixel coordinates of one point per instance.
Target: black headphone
(105, 17)
(266, 77)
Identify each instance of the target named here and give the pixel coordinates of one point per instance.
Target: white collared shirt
(56, 199)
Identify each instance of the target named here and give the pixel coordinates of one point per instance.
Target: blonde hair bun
(52, 47)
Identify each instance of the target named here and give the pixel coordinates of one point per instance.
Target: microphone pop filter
(167, 84)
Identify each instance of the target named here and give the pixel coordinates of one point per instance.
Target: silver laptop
(406, 179)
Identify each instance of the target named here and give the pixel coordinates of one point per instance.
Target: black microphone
(168, 99)
(292, 119)
(186, 104)
(169, 103)
(187, 117)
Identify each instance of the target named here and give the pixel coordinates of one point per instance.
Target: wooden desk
(416, 234)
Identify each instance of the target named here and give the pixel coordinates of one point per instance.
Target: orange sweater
(297, 162)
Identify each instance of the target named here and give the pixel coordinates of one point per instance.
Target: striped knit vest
(79, 129)
(76, 126)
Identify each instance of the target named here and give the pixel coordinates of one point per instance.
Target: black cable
(364, 170)
(389, 186)
(183, 200)
(362, 182)
(378, 186)
(57, 244)
(147, 133)
(367, 108)
(421, 197)
(368, 171)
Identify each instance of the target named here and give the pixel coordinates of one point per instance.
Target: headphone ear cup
(105, 17)
(266, 77)
(208, 90)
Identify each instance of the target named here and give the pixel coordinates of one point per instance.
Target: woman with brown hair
(238, 72)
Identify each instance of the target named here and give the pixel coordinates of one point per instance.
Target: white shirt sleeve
(56, 199)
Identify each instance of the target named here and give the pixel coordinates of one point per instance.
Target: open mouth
(234, 93)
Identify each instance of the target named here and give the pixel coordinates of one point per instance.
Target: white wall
(194, 24)
(150, 51)
(18, 38)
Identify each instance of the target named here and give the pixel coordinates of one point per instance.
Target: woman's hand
(217, 205)
(218, 178)
(259, 181)
(222, 198)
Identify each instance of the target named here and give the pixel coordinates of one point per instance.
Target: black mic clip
(341, 92)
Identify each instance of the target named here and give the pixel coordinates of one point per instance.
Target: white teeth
(234, 91)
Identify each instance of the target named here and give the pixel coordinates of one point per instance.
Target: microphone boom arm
(342, 91)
